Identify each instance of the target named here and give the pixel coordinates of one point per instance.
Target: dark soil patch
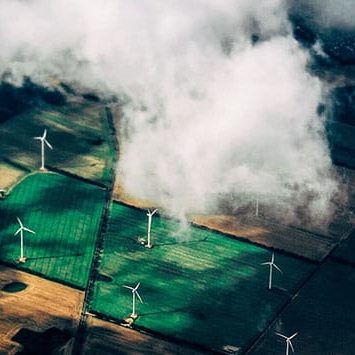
(44, 343)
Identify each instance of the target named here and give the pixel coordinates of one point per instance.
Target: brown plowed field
(42, 305)
(105, 338)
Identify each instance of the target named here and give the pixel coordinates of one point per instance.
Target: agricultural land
(203, 285)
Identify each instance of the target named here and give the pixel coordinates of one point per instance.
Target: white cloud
(210, 114)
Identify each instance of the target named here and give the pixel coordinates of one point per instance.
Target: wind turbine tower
(22, 228)
(44, 141)
(134, 295)
(271, 266)
(150, 216)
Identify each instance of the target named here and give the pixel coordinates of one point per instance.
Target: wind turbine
(150, 216)
(271, 266)
(288, 342)
(43, 142)
(134, 294)
(22, 228)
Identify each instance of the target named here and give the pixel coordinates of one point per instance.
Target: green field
(65, 213)
(83, 126)
(198, 286)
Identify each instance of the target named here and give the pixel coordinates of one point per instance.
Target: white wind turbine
(288, 341)
(22, 228)
(134, 294)
(150, 216)
(43, 142)
(271, 266)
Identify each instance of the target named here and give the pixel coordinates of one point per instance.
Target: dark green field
(322, 314)
(83, 126)
(197, 285)
(345, 253)
(65, 214)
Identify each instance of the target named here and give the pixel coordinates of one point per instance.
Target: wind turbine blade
(267, 263)
(154, 211)
(48, 144)
(139, 297)
(277, 268)
(292, 336)
(291, 346)
(273, 257)
(18, 231)
(39, 138)
(29, 230)
(44, 134)
(19, 221)
(136, 288)
(281, 335)
(129, 287)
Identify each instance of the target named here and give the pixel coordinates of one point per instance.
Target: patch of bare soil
(271, 235)
(9, 176)
(120, 195)
(43, 307)
(107, 338)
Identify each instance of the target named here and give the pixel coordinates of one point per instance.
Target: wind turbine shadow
(55, 256)
(189, 242)
(281, 291)
(177, 310)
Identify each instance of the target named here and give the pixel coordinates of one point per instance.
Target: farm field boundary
(83, 326)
